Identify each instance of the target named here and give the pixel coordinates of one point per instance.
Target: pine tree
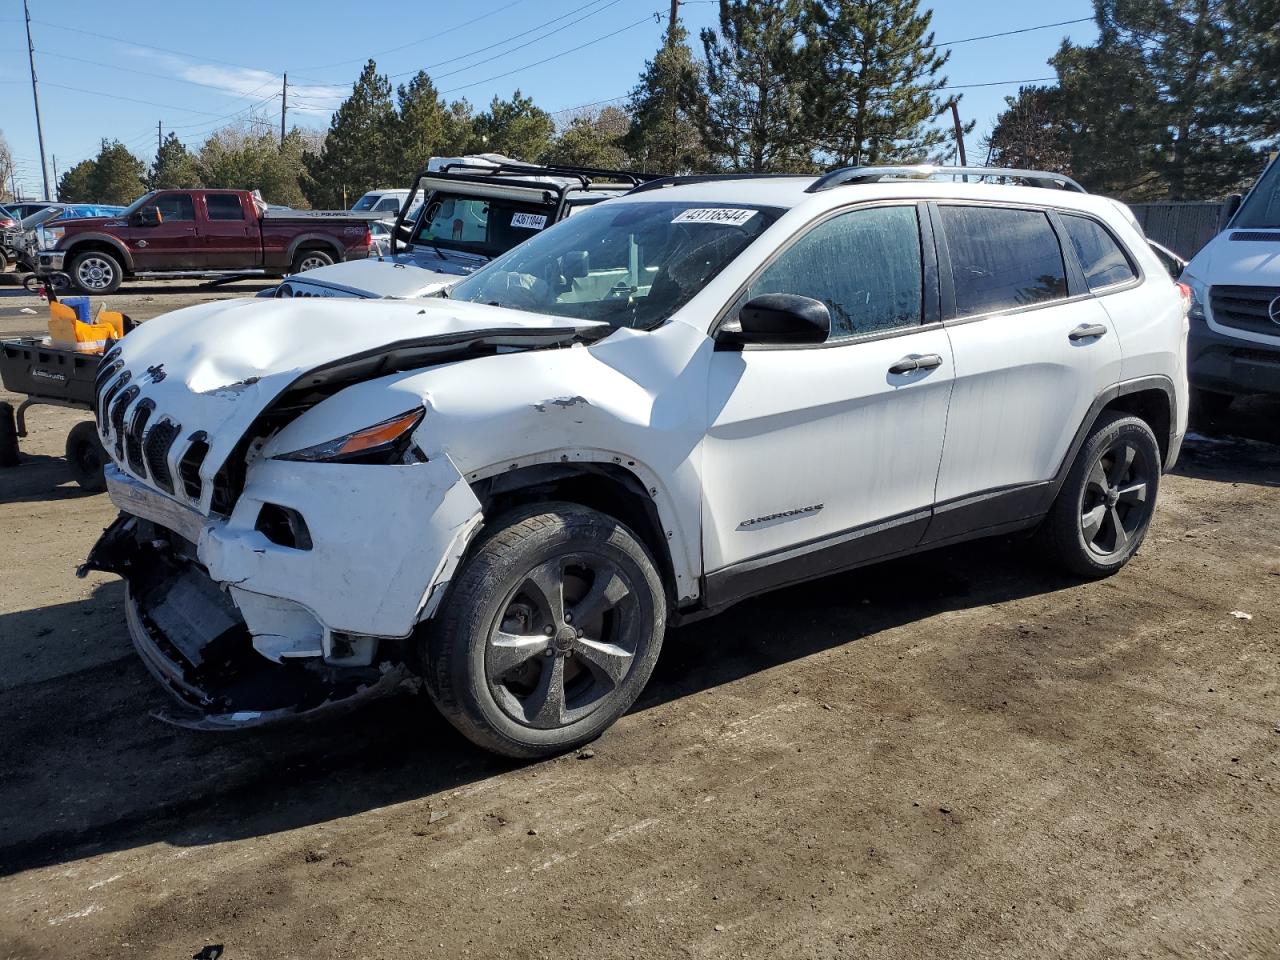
(118, 175)
(358, 153)
(426, 127)
(76, 185)
(174, 167)
(514, 128)
(664, 135)
(1029, 133)
(872, 93)
(753, 120)
(592, 139)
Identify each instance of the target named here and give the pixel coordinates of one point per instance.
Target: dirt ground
(960, 756)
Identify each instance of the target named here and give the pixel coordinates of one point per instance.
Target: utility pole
(673, 20)
(159, 138)
(284, 105)
(35, 96)
(673, 24)
(56, 178)
(955, 115)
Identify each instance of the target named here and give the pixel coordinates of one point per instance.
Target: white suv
(704, 390)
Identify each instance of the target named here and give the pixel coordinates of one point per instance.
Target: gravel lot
(961, 755)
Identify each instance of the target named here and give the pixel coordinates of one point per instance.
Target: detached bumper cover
(1232, 365)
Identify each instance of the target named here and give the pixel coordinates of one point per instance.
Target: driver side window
(865, 266)
(175, 207)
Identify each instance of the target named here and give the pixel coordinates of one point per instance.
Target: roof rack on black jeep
(927, 171)
(587, 176)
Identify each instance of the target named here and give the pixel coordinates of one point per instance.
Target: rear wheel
(96, 272)
(311, 260)
(86, 457)
(1104, 508)
(549, 633)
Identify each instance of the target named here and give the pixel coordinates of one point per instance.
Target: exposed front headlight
(1199, 296)
(383, 442)
(49, 236)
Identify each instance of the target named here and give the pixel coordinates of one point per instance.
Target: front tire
(86, 457)
(549, 632)
(95, 272)
(1104, 508)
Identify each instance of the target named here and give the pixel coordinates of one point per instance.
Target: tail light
(1185, 290)
(7, 222)
(368, 237)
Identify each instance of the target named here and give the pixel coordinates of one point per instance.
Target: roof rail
(585, 175)
(927, 171)
(660, 182)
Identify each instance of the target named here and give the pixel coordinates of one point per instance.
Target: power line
(115, 96)
(99, 35)
(1010, 33)
(432, 36)
(996, 83)
(148, 73)
(656, 17)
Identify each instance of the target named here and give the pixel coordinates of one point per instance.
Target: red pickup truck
(177, 233)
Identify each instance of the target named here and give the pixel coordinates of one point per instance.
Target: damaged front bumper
(245, 631)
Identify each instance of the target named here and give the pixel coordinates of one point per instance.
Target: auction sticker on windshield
(529, 221)
(731, 216)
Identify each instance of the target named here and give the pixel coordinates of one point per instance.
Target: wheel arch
(103, 244)
(315, 241)
(614, 487)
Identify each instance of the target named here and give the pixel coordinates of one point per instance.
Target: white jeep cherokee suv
(704, 390)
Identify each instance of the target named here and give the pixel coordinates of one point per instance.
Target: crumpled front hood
(215, 368)
(416, 274)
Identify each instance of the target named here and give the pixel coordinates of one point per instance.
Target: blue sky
(197, 71)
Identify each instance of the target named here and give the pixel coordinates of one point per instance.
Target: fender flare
(121, 251)
(316, 239)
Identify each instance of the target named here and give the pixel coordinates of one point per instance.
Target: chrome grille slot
(155, 452)
(189, 465)
(117, 418)
(1246, 308)
(104, 406)
(133, 438)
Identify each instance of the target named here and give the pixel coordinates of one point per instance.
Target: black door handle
(916, 362)
(1086, 331)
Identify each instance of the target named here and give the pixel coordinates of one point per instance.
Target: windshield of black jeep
(1262, 207)
(486, 226)
(627, 264)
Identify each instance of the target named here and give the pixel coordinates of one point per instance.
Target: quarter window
(864, 265)
(1002, 259)
(223, 206)
(1101, 258)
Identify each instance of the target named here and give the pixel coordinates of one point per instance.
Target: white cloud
(317, 100)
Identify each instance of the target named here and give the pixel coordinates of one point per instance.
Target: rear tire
(311, 260)
(549, 632)
(1104, 508)
(86, 457)
(95, 272)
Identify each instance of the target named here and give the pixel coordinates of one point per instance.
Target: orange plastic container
(68, 332)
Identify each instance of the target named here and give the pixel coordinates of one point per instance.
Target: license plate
(141, 501)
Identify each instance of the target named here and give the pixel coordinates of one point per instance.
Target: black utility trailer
(55, 377)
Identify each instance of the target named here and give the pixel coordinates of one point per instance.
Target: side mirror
(575, 264)
(147, 217)
(779, 318)
(1229, 208)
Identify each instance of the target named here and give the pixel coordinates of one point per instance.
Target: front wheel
(549, 632)
(86, 457)
(1104, 508)
(96, 272)
(311, 260)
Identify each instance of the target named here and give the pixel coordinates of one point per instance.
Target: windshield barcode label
(732, 216)
(529, 221)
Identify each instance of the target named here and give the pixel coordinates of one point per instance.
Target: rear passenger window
(223, 206)
(387, 205)
(1002, 259)
(864, 265)
(1101, 258)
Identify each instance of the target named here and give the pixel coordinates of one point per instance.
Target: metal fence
(1184, 227)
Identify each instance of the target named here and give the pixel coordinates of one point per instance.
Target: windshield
(366, 202)
(1262, 207)
(486, 226)
(627, 264)
(138, 204)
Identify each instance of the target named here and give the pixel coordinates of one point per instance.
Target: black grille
(192, 460)
(133, 437)
(1246, 308)
(155, 451)
(1257, 356)
(117, 418)
(105, 405)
